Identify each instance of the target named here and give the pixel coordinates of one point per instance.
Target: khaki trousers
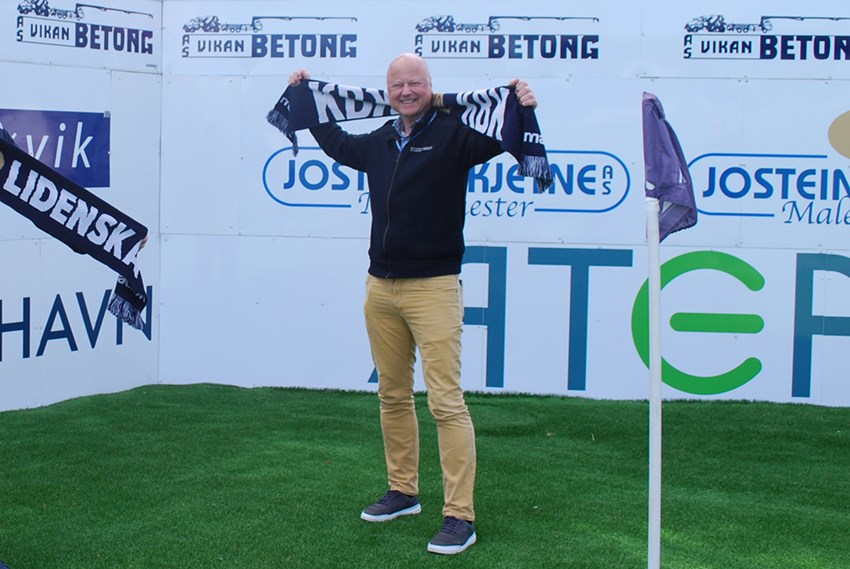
(401, 315)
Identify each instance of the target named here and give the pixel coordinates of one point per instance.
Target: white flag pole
(653, 258)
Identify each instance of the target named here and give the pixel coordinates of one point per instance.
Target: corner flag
(668, 182)
(667, 176)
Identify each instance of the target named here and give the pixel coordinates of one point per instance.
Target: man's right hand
(297, 77)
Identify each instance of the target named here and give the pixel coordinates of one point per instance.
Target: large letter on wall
(807, 324)
(580, 261)
(493, 316)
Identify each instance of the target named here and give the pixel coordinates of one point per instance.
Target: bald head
(409, 61)
(409, 87)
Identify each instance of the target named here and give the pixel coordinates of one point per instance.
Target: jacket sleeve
(476, 148)
(351, 150)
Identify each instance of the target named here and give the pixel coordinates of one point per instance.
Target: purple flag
(667, 176)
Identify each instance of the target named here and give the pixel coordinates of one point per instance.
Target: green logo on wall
(701, 322)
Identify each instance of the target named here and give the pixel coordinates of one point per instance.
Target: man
(417, 167)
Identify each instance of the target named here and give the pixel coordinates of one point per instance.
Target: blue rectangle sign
(74, 143)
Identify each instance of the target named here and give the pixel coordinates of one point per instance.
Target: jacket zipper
(392, 182)
(387, 228)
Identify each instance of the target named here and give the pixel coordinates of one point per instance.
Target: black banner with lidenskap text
(81, 220)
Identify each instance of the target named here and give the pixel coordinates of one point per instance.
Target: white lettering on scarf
(43, 195)
(372, 102)
(484, 110)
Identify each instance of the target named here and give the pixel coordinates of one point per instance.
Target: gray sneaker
(391, 506)
(455, 536)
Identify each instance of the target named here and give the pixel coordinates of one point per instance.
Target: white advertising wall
(259, 260)
(80, 89)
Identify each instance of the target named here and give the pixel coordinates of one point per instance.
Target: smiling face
(409, 87)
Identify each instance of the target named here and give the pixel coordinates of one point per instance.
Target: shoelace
(451, 524)
(388, 497)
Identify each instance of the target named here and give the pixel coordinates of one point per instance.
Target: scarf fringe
(277, 120)
(126, 312)
(280, 122)
(537, 167)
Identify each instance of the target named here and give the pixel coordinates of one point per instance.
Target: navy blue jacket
(417, 195)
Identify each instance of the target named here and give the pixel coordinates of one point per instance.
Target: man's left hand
(524, 93)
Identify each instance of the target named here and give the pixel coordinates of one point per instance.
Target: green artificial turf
(206, 476)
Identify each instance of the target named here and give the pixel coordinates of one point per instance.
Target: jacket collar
(420, 124)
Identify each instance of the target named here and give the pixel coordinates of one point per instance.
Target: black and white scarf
(495, 112)
(81, 220)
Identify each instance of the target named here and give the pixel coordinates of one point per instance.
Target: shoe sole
(412, 510)
(451, 549)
